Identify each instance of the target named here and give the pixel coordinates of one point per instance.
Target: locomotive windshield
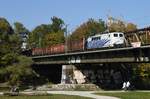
(115, 35)
(120, 35)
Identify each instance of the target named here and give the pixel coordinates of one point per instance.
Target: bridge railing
(140, 35)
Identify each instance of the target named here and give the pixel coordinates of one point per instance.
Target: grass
(44, 97)
(128, 95)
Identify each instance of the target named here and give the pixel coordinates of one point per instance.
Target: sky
(74, 12)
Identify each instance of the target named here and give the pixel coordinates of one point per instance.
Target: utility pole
(40, 40)
(66, 39)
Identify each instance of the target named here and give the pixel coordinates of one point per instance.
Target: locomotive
(103, 40)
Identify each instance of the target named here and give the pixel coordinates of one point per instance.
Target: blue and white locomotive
(105, 40)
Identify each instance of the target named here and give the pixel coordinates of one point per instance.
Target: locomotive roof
(104, 33)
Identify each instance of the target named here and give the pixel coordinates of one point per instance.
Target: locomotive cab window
(96, 38)
(115, 35)
(93, 39)
(99, 38)
(120, 35)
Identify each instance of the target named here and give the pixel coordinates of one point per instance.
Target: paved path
(82, 93)
(78, 93)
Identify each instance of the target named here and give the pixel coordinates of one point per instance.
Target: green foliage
(5, 27)
(54, 38)
(14, 68)
(57, 25)
(17, 71)
(20, 71)
(130, 27)
(36, 38)
(19, 28)
(41, 35)
(15, 42)
(141, 76)
(91, 27)
(5, 30)
(8, 59)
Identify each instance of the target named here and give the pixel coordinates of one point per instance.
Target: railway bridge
(115, 55)
(74, 63)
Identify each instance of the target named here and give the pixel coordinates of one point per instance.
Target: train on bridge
(99, 41)
(104, 40)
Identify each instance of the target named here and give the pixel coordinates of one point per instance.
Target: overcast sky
(74, 12)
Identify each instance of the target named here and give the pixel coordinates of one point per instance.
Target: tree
(91, 27)
(21, 71)
(57, 25)
(19, 28)
(54, 38)
(118, 26)
(5, 30)
(36, 37)
(5, 27)
(6, 34)
(141, 76)
(130, 27)
(40, 36)
(13, 66)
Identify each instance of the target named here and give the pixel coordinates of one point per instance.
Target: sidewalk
(82, 93)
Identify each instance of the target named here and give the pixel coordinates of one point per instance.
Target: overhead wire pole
(66, 39)
(40, 40)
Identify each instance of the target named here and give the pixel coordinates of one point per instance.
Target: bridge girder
(119, 55)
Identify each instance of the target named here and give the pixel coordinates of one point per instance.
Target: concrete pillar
(72, 75)
(67, 74)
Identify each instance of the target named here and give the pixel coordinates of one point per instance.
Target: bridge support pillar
(72, 75)
(67, 74)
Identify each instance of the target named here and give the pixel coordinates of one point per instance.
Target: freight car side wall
(76, 46)
(49, 50)
(72, 46)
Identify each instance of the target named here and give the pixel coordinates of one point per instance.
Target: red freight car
(72, 46)
(76, 45)
(37, 51)
(56, 49)
(60, 48)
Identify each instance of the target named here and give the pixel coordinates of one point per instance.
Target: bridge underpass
(48, 73)
(101, 67)
(106, 76)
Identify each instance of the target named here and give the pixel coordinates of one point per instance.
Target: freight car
(56, 49)
(104, 40)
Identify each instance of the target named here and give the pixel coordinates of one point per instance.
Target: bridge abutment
(72, 75)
